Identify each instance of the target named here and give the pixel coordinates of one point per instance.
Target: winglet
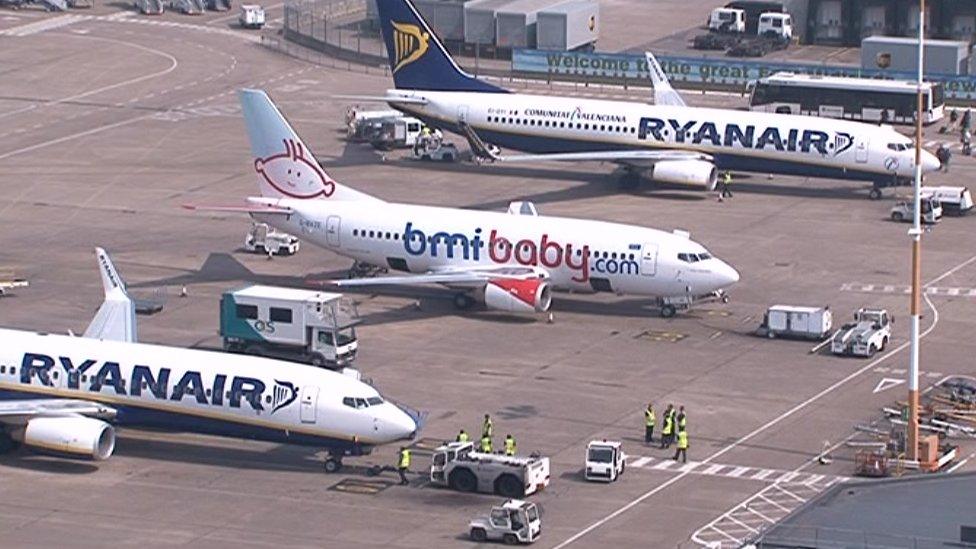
(116, 318)
(664, 94)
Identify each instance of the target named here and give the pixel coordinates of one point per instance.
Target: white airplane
(63, 394)
(670, 141)
(510, 261)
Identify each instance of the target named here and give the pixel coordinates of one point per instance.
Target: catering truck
(318, 328)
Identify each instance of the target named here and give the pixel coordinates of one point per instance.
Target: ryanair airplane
(670, 141)
(63, 394)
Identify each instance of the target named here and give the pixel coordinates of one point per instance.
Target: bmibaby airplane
(510, 261)
(64, 393)
(673, 142)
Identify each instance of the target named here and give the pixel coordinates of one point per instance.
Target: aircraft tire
(668, 311)
(463, 301)
(332, 465)
(7, 444)
(875, 194)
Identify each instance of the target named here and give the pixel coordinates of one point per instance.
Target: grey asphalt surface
(111, 123)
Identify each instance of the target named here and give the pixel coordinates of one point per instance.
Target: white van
(954, 200)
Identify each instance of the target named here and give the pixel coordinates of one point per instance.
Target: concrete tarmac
(111, 123)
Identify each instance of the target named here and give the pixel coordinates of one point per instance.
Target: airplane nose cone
(399, 424)
(727, 275)
(929, 162)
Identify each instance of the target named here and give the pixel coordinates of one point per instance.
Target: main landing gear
(333, 463)
(877, 191)
(630, 179)
(463, 301)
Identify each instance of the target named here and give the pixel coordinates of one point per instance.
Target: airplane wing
(664, 94)
(633, 157)
(470, 276)
(18, 412)
(241, 209)
(116, 318)
(384, 99)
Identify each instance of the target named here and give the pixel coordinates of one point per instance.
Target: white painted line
(813, 479)
(756, 512)
(762, 474)
(712, 470)
(773, 503)
(664, 465)
(738, 472)
(788, 477)
(791, 494)
(688, 467)
(771, 423)
(640, 462)
(744, 525)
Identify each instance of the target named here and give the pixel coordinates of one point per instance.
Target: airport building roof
(918, 512)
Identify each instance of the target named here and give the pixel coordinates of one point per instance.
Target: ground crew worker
(682, 420)
(403, 464)
(486, 427)
(486, 444)
(649, 424)
(682, 446)
(668, 430)
(463, 436)
(726, 188)
(509, 445)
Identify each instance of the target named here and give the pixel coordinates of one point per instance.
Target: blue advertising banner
(704, 71)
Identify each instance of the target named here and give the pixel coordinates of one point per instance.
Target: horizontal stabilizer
(240, 209)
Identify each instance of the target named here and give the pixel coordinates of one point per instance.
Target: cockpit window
(373, 401)
(693, 258)
(899, 146)
(357, 403)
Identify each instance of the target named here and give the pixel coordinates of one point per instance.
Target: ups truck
(318, 328)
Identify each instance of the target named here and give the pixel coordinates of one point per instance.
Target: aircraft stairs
(150, 7)
(54, 5)
(189, 7)
(218, 5)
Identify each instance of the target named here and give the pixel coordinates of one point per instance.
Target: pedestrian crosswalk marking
(725, 470)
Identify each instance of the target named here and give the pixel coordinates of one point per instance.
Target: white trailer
(10, 283)
(954, 200)
(868, 334)
(397, 133)
(605, 461)
(797, 321)
(727, 20)
(251, 17)
(293, 324)
(359, 122)
(458, 466)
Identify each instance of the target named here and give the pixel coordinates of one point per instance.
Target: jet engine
(518, 296)
(686, 172)
(76, 436)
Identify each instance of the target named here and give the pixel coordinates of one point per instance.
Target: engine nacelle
(77, 436)
(518, 296)
(686, 172)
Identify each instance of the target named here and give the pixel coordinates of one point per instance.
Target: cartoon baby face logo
(292, 173)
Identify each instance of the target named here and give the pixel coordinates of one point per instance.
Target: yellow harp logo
(409, 44)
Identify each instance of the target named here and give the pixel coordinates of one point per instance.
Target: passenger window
(249, 312)
(278, 314)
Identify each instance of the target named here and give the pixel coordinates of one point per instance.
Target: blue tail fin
(418, 60)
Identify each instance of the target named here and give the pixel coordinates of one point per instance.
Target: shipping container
(568, 26)
(479, 20)
(515, 24)
(445, 17)
(901, 54)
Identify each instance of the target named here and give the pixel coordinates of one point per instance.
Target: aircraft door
(332, 230)
(649, 259)
(462, 114)
(310, 401)
(861, 150)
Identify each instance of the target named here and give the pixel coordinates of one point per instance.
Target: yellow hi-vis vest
(463, 437)
(486, 444)
(649, 418)
(683, 440)
(668, 425)
(509, 446)
(404, 459)
(486, 428)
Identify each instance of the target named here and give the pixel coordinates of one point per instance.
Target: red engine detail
(518, 296)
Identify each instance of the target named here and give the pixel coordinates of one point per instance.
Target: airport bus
(863, 99)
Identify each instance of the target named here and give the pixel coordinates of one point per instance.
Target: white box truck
(797, 321)
(251, 17)
(954, 200)
(318, 328)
